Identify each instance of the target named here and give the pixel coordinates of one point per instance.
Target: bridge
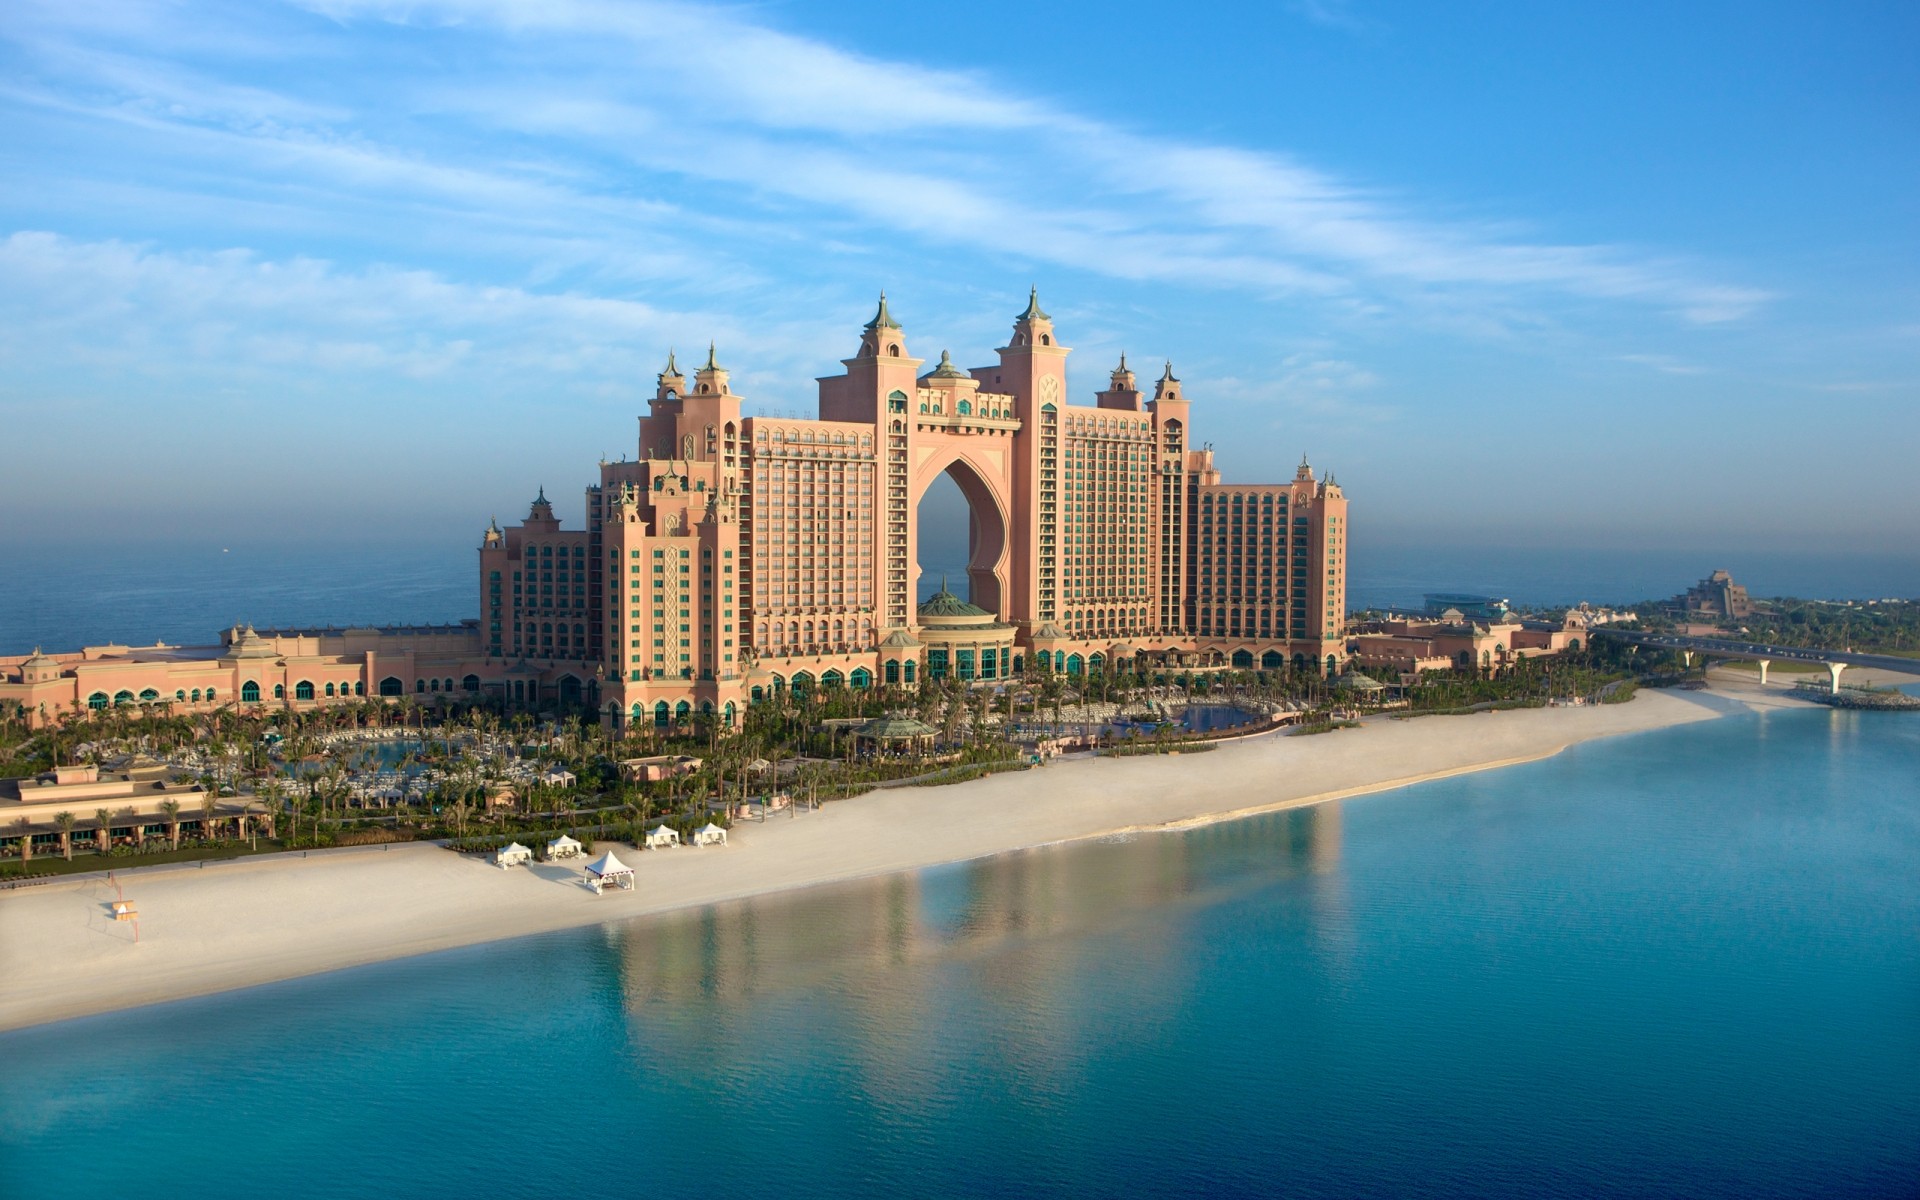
(1765, 656)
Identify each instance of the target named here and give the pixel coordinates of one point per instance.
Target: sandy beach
(241, 923)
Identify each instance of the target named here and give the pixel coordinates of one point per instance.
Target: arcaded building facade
(738, 556)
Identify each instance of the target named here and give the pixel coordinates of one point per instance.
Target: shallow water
(1677, 964)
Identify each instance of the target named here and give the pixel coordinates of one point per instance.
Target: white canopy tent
(563, 847)
(660, 837)
(512, 855)
(607, 871)
(709, 835)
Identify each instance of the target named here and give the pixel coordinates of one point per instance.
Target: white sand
(235, 924)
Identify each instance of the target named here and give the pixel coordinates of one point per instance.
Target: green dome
(944, 603)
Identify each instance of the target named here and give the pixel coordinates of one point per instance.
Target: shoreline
(253, 921)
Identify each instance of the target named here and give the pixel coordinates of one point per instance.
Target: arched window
(419, 685)
(861, 678)
(391, 686)
(470, 683)
(123, 697)
(908, 668)
(249, 692)
(964, 408)
(329, 689)
(210, 696)
(682, 711)
(832, 679)
(196, 695)
(97, 700)
(727, 714)
(359, 687)
(279, 691)
(180, 695)
(148, 695)
(893, 349)
(662, 714)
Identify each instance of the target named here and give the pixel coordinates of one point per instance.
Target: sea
(66, 594)
(1683, 963)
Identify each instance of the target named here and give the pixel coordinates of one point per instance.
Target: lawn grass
(84, 861)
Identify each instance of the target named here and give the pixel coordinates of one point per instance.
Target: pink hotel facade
(740, 556)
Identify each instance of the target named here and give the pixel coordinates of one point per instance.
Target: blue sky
(1528, 275)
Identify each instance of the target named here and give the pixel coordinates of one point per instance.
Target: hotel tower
(738, 556)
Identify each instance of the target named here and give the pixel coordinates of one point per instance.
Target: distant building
(1715, 596)
(1456, 606)
(1412, 647)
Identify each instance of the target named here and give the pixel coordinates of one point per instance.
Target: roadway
(1732, 648)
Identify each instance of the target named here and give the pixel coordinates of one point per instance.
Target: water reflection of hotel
(1020, 918)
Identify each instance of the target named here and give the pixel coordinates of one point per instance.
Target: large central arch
(984, 477)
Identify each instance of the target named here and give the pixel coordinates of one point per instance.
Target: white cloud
(604, 108)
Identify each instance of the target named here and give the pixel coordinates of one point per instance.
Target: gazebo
(660, 837)
(709, 835)
(1355, 681)
(885, 730)
(512, 855)
(563, 847)
(607, 871)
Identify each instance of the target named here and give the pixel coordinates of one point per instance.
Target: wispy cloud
(1665, 364)
(614, 120)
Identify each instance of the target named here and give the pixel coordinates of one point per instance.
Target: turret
(1033, 327)
(882, 336)
(670, 385)
(1121, 390)
(711, 378)
(879, 379)
(1167, 387)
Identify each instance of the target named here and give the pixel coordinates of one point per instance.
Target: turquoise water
(1685, 963)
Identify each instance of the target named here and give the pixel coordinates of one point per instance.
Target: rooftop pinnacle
(882, 319)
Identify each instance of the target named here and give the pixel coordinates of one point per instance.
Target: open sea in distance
(1675, 964)
(62, 597)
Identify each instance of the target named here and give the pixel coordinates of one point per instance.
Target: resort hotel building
(738, 557)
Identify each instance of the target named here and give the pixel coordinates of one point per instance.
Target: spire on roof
(542, 497)
(1033, 312)
(1167, 376)
(882, 319)
(713, 364)
(946, 369)
(672, 369)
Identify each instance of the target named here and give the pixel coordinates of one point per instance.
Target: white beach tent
(709, 835)
(563, 847)
(607, 871)
(660, 837)
(513, 855)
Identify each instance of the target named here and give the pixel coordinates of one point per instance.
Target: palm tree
(66, 822)
(209, 805)
(172, 809)
(103, 838)
(25, 830)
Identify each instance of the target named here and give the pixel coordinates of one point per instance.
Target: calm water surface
(1678, 964)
